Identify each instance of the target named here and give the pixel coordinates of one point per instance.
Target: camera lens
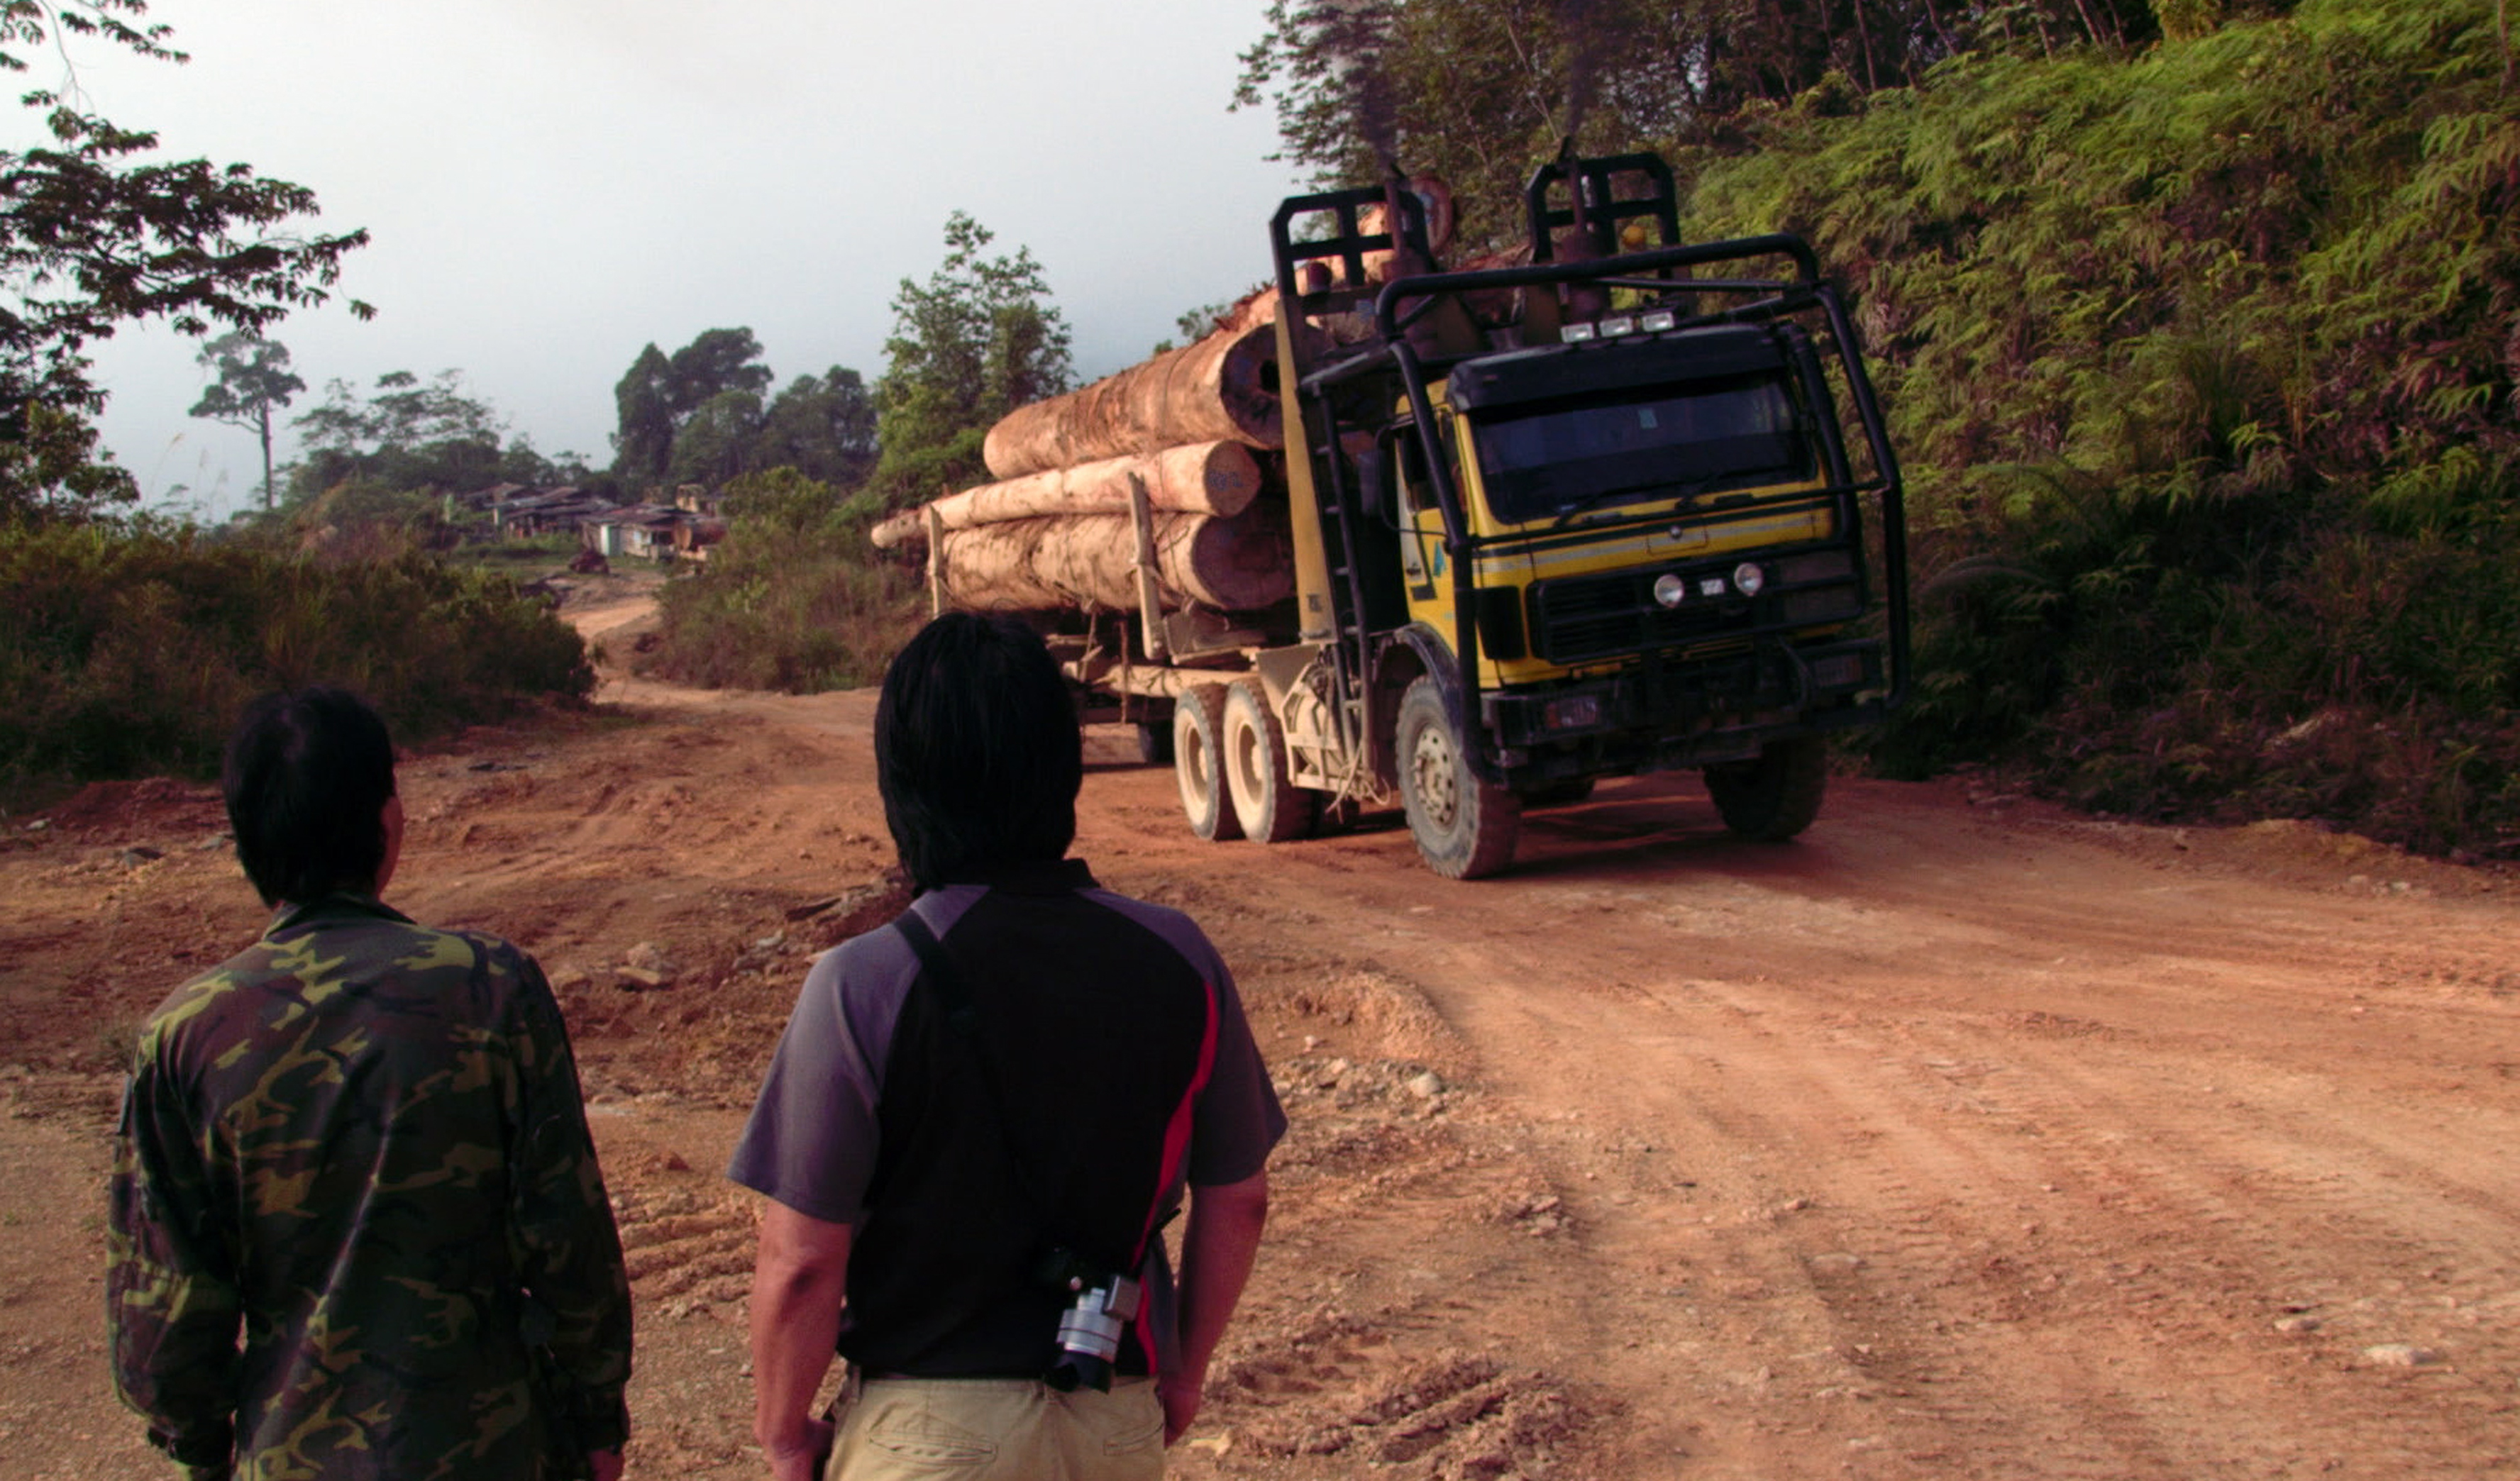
(1089, 1338)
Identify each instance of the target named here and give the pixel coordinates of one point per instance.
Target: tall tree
(402, 413)
(94, 235)
(822, 426)
(720, 440)
(979, 338)
(1476, 91)
(660, 395)
(644, 400)
(405, 435)
(718, 361)
(255, 380)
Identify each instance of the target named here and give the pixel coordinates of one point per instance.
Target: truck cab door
(1422, 561)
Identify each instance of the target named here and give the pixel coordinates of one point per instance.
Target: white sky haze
(552, 184)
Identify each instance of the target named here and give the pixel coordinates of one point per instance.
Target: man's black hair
(307, 777)
(977, 750)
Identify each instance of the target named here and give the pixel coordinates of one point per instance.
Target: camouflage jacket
(358, 1231)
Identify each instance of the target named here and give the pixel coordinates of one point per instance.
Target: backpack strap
(960, 1014)
(963, 1019)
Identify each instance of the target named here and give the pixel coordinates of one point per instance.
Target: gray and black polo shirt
(1106, 1064)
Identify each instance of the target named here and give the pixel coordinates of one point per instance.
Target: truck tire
(1464, 827)
(1270, 808)
(1777, 796)
(1199, 763)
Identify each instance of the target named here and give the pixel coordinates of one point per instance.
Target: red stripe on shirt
(1176, 1133)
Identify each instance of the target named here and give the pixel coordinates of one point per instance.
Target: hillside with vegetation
(2202, 363)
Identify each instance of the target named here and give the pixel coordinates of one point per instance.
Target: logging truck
(1467, 541)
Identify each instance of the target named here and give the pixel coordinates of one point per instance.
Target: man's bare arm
(1218, 1246)
(800, 1282)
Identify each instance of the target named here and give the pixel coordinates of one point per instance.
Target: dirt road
(1960, 1139)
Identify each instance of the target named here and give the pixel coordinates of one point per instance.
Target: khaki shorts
(997, 1429)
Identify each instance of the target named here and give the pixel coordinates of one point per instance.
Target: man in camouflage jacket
(358, 1230)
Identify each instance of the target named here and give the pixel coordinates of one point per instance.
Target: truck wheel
(1777, 795)
(1464, 828)
(1199, 763)
(1270, 808)
(1155, 743)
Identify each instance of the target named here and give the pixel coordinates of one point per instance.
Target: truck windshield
(1550, 459)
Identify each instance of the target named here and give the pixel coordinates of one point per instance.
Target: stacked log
(1218, 390)
(1090, 561)
(1200, 478)
(1058, 528)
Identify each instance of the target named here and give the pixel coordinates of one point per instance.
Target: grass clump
(792, 600)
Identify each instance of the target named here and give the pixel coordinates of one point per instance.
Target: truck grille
(1599, 616)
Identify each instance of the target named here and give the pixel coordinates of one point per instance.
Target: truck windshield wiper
(1689, 488)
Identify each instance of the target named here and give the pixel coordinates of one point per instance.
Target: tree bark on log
(1090, 561)
(1204, 479)
(1214, 390)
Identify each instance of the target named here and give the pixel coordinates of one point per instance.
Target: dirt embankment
(1960, 1139)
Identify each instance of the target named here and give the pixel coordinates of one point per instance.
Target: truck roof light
(1575, 333)
(1655, 321)
(1623, 324)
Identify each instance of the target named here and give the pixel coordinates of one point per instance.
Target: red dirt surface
(1963, 1138)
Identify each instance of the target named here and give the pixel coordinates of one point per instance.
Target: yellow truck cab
(1589, 514)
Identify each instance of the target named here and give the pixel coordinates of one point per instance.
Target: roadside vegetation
(127, 650)
(2201, 360)
(790, 600)
(796, 598)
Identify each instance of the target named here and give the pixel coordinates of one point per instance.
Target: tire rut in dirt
(1383, 1333)
(2011, 1205)
(686, 1247)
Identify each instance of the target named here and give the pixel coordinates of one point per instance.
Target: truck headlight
(1670, 589)
(1571, 713)
(1748, 579)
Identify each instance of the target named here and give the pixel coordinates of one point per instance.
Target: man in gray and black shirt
(963, 1136)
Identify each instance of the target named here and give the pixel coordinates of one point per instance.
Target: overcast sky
(552, 184)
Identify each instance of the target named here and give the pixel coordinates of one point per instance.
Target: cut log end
(1234, 564)
(1217, 390)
